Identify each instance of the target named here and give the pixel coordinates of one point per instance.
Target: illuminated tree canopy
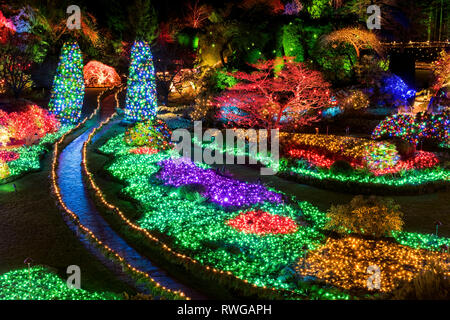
(359, 39)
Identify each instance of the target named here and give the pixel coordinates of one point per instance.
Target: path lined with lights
(76, 201)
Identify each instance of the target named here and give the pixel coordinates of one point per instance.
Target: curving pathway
(74, 194)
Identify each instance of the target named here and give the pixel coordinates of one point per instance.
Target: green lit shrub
(152, 133)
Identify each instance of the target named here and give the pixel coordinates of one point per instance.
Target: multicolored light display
(197, 226)
(141, 276)
(152, 133)
(415, 128)
(27, 126)
(408, 178)
(202, 228)
(27, 158)
(141, 102)
(67, 95)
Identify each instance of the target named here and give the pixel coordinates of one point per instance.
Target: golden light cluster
(344, 263)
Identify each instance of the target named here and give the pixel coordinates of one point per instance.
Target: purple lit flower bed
(216, 188)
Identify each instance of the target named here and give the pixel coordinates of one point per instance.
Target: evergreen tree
(143, 20)
(67, 95)
(141, 102)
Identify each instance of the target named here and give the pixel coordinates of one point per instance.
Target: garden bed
(29, 157)
(224, 227)
(368, 170)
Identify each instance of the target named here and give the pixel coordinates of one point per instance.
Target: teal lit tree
(67, 95)
(141, 102)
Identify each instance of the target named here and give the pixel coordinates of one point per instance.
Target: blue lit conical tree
(141, 102)
(67, 95)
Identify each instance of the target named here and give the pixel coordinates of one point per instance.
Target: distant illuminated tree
(270, 6)
(55, 29)
(197, 14)
(287, 99)
(441, 70)
(316, 8)
(359, 39)
(293, 8)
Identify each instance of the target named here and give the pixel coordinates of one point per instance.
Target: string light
(141, 102)
(344, 262)
(97, 74)
(413, 177)
(109, 252)
(178, 213)
(152, 133)
(358, 151)
(415, 128)
(67, 95)
(34, 126)
(199, 227)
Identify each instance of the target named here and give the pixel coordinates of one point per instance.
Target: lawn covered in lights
(38, 283)
(260, 238)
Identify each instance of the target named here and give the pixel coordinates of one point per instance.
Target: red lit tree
(288, 98)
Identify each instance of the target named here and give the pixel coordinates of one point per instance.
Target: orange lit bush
(344, 263)
(97, 74)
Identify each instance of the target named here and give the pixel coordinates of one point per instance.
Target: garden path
(76, 197)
